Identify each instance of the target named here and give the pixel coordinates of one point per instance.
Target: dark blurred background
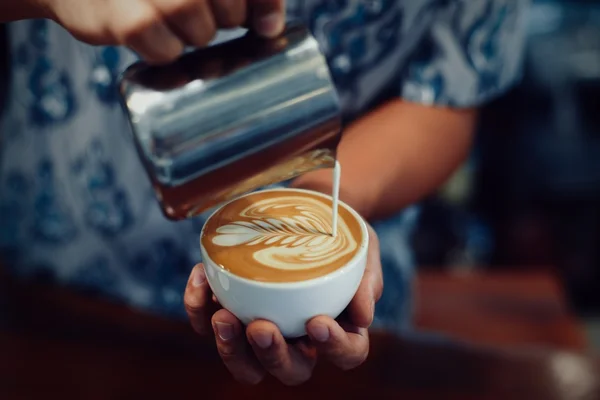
(530, 195)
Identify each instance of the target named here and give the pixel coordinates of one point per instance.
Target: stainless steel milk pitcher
(231, 118)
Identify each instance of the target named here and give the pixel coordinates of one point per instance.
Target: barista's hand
(261, 348)
(158, 30)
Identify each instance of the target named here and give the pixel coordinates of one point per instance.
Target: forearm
(397, 155)
(14, 10)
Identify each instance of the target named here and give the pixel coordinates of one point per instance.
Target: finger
(191, 20)
(156, 45)
(362, 306)
(267, 17)
(234, 350)
(229, 13)
(286, 363)
(139, 26)
(197, 302)
(346, 348)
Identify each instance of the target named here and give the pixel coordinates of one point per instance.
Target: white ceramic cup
(289, 305)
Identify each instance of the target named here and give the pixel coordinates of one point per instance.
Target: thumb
(267, 17)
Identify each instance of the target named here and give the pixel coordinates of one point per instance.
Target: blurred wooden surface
(498, 309)
(58, 344)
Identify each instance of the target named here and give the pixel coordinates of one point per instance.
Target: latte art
(288, 233)
(281, 236)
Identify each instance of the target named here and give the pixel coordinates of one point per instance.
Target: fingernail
(224, 331)
(269, 25)
(264, 340)
(198, 277)
(372, 309)
(319, 332)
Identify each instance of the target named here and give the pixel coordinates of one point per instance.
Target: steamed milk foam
(281, 235)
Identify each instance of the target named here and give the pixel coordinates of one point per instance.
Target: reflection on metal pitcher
(232, 118)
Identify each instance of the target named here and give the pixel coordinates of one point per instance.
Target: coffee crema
(281, 236)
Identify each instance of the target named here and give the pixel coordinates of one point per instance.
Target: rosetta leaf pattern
(289, 232)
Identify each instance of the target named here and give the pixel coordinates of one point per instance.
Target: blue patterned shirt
(76, 206)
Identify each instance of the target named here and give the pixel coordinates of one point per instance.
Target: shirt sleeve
(472, 52)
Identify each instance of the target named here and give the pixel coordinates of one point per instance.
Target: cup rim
(363, 246)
